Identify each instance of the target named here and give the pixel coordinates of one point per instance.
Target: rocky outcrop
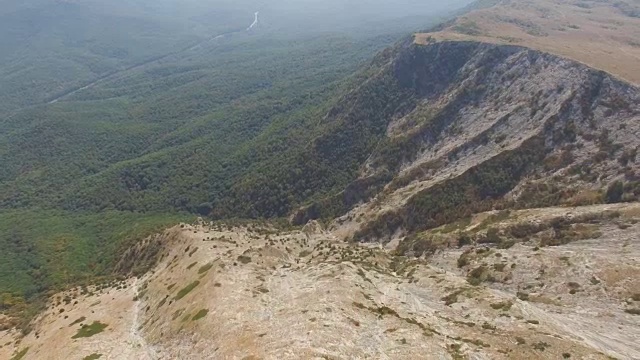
(486, 124)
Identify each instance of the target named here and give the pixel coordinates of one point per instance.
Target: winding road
(255, 21)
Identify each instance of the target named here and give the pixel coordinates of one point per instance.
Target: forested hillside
(116, 121)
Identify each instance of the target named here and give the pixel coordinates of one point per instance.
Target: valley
(299, 189)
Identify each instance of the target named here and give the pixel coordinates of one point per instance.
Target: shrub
(78, 321)
(464, 259)
(90, 330)
(491, 237)
(523, 230)
(478, 275)
(464, 239)
(20, 354)
(304, 253)
(200, 314)
(93, 356)
(614, 192)
(506, 244)
(499, 267)
(541, 346)
(488, 326)
(187, 289)
(632, 311)
(204, 268)
(504, 305)
(452, 298)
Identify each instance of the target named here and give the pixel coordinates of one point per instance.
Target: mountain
(469, 192)
(496, 126)
(109, 133)
(481, 125)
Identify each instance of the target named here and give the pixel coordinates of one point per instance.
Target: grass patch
(454, 226)
(20, 354)
(187, 289)
(177, 314)
(304, 253)
(204, 268)
(503, 305)
(244, 259)
(186, 318)
(492, 219)
(200, 314)
(632, 311)
(90, 330)
(51, 250)
(541, 346)
(78, 321)
(192, 265)
(93, 356)
(453, 297)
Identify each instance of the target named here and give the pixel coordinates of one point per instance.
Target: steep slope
(86, 175)
(254, 292)
(199, 123)
(499, 149)
(496, 120)
(483, 122)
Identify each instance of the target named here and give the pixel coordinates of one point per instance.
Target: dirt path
(134, 332)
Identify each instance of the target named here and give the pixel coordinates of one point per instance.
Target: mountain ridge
(455, 196)
(435, 117)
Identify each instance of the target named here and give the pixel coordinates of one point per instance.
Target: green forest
(115, 123)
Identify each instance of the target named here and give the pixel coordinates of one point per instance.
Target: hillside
(492, 126)
(253, 292)
(471, 125)
(159, 131)
(470, 192)
(52, 47)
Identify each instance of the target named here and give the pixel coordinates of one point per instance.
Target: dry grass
(603, 35)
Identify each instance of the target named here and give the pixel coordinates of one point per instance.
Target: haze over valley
(305, 179)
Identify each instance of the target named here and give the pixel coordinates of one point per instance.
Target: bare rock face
(485, 125)
(312, 227)
(258, 293)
